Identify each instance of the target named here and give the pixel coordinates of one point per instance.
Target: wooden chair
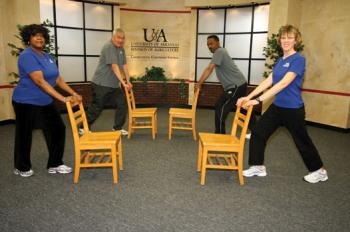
(184, 119)
(94, 149)
(218, 151)
(140, 118)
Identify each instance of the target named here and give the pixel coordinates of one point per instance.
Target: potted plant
(154, 74)
(155, 88)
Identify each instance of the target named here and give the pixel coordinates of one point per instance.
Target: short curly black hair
(215, 37)
(33, 29)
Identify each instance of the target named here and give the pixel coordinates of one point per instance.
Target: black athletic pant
(27, 118)
(294, 121)
(103, 95)
(227, 103)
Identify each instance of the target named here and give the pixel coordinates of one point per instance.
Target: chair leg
(204, 166)
(76, 171)
(153, 127)
(114, 165)
(194, 129)
(132, 124)
(131, 120)
(240, 167)
(170, 125)
(200, 154)
(156, 121)
(120, 155)
(240, 176)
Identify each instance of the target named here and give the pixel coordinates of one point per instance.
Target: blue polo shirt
(290, 97)
(27, 91)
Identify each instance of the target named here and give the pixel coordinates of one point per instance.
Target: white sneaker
(60, 169)
(255, 170)
(247, 136)
(23, 174)
(122, 131)
(81, 131)
(316, 176)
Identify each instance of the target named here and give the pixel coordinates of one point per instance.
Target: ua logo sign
(154, 35)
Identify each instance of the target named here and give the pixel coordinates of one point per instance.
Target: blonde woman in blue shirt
(33, 102)
(287, 109)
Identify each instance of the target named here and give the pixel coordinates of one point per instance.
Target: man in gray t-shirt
(231, 78)
(104, 74)
(107, 80)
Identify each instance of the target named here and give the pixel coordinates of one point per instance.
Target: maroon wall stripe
(190, 81)
(156, 11)
(326, 92)
(6, 86)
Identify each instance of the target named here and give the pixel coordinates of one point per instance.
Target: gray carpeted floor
(159, 189)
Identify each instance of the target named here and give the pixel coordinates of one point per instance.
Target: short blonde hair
(290, 29)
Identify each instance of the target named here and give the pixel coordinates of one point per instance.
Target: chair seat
(105, 134)
(219, 142)
(101, 137)
(180, 112)
(209, 139)
(143, 111)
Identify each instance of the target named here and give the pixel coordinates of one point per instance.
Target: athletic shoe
(316, 176)
(81, 131)
(255, 170)
(63, 169)
(23, 174)
(122, 131)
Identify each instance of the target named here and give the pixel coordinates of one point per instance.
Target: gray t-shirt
(226, 70)
(104, 74)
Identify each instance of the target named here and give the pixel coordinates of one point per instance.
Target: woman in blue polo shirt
(287, 110)
(33, 100)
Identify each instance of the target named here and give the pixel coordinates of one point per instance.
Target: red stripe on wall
(308, 90)
(326, 92)
(157, 11)
(6, 86)
(191, 81)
